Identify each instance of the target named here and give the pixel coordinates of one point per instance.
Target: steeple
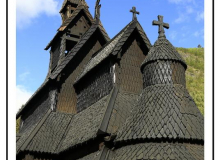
(76, 21)
(69, 6)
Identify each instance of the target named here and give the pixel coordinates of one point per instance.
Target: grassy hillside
(18, 124)
(194, 58)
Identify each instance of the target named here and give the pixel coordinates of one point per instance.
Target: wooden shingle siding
(55, 50)
(122, 108)
(164, 72)
(130, 75)
(34, 115)
(67, 96)
(80, 27)
(95, 86)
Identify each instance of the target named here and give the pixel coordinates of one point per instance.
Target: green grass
(18, 124)
(194, 58)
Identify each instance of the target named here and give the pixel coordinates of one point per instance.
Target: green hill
(194, 58)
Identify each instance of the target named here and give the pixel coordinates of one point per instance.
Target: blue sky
(38, 20)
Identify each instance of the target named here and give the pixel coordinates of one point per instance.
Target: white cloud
(189, 9)
(200, 16)
(27, 10)
(199, 33)
(173, 35)
(196, 34)
(181, 18)
(22, 96)
(180, 1)
(23, 76)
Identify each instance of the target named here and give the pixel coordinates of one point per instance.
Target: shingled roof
(85, 125)
(49, 135)
(78, 46)
(114, 46)
(66, 60)
(163, 50)
(163, 151)
(67, 22)
(165, 112)
(57, 132)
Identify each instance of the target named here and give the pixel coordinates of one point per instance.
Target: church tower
(76, 20)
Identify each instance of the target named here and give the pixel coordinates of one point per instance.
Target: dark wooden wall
(38, 110)
(129, 75)
(80, 26)
(96, 85)
(35, 157)
(55, 51)
(67, 96)
(164, 72)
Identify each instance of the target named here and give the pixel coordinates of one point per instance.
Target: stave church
(110, 99)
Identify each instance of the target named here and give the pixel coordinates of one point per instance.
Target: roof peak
(163, 50)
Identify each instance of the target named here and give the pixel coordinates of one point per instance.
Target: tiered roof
(162, 122)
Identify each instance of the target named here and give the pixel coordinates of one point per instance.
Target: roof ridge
(110, 106)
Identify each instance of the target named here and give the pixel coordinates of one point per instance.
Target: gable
(128, 73)
(79, 25)
(67, 97)
(114, 47)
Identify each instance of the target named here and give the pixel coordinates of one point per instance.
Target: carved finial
(133, 10)
(97, 11)
(161, 25)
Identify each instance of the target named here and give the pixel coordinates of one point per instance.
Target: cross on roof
(133, 10)
(161, 25)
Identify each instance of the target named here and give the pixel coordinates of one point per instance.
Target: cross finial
(161, 25)
(133, 10)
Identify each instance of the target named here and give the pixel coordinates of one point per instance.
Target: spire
(133, 10)
(97, 11)
(161, 25)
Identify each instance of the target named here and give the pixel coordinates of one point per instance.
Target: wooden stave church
(110, 99)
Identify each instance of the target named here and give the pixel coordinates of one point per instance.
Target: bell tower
(76, 20)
